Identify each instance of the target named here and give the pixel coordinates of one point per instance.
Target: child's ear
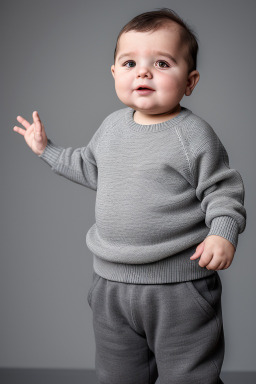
(192, 81)
(113, 70)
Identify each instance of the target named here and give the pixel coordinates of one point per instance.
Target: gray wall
(56, 58)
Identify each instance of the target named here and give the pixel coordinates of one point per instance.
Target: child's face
(156, 60)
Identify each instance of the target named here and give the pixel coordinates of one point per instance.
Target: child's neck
(143, 119)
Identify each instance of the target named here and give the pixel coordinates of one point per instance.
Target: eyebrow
(155, 53)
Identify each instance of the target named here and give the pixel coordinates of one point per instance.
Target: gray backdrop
(56, 58)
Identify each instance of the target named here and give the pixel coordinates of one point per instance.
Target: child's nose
(143, 71)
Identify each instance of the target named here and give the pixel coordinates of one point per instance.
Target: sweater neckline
(184, 112)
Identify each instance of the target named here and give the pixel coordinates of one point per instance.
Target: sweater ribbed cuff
(226, 227)
(51, 153)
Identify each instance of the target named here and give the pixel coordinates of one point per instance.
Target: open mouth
(144, 88)
(143, 91)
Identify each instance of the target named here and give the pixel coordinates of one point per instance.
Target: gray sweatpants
(172, 331)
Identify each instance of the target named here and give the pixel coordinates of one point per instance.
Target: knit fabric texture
(161, 190)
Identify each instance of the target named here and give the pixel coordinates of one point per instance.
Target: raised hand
(34, 134)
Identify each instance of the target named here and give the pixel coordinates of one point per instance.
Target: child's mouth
(144, 91)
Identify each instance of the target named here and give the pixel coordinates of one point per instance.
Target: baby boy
(169, 210)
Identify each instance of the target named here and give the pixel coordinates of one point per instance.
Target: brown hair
(151, 21)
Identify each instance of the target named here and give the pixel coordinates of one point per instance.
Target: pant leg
(122, 352)
(174, 330)
(184, 329)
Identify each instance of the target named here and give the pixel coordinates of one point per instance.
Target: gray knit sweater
(161, 189)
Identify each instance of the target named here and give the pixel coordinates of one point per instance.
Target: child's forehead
(166, 38)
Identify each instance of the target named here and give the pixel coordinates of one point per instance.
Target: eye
(162, 64)
(129, 64)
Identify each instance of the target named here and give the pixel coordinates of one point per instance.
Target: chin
(151, 111)
(144, 108)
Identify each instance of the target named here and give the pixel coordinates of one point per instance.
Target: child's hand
(34, 134)
(216, 253)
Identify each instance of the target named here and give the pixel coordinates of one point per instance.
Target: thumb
(198, 252)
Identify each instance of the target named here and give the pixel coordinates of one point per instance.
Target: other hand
(216, 253)
(34, 134)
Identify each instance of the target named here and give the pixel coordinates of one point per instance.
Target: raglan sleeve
(219, 188)
(78, 165)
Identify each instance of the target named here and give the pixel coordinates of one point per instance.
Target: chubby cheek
(123, 87)
(174, 89)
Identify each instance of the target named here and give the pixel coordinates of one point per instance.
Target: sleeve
(219, 188)
(78, 165)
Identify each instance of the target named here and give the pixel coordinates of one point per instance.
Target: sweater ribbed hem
(173, 269)
(225, 226)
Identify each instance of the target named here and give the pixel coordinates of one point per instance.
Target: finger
(225, 266)
(198, 252)
(221, 266)
(212, 267)
(36, 117)
(215, 264)
(38, 126)
(205, 260)
(195, 255)
(19, 130)
(24, 122)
